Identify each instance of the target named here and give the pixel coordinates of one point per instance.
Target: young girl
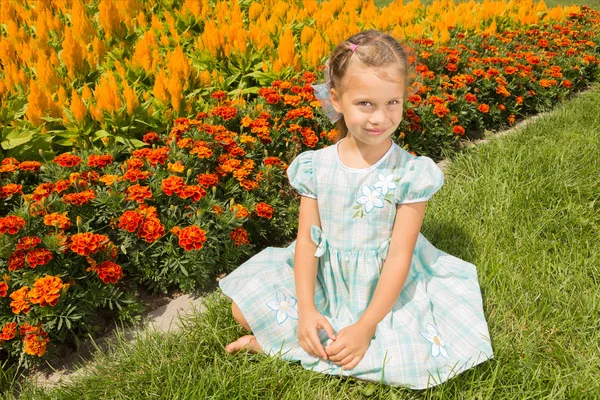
(361, 292)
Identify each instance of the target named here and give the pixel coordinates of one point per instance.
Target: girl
(361, 292)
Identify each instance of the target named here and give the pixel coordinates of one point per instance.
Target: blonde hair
(374, 49)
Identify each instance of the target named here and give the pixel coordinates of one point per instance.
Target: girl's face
(372, 106)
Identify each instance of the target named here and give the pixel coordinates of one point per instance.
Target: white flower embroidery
(386, 183)
(370, 199)
(437, 343)
(284, 305)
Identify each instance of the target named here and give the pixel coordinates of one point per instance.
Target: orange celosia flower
(138, 193)
(88, 243)
(28, 242)
(79, 199)
(11, 224)
(46, 291)
(20, 302)
(109, 272)
(192, 238)
(173, 184)
(130, 220)
(239, 236)
(67, 160)
(60, 221)
(264, 210)
(9, 190)
(151, 230)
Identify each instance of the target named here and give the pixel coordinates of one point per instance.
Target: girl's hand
(350, 346)
(309, 323)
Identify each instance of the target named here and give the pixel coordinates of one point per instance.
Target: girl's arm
(407, 225)
(305, 263)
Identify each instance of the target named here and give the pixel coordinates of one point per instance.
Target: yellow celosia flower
(160, 87)
(285, 50)
(174, 88)
(72, 54)
(82, 26)
(131, 99)
(106, 93)
(78, 107)
(109, 18)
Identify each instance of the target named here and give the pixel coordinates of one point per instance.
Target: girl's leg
(247, 342)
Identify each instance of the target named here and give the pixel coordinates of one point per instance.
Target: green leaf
(16, 138)
(369, 390)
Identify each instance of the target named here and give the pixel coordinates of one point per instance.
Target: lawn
(524, 208)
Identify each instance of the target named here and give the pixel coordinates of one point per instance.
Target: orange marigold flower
(28, 242)
(151, 230)
(30, 166)
(138, 193)
(8, 168)
(158, 156)
(519, 100)
(217, 209)
(208, 180)
(11, 224)
(240, 211)
(46, 291)
(176, 167)
(458, 130)
(62, 185)
(10, 189)
(566, 83)
(264, 210)
(130, 220)
(16, 260)
(192, 238)
(109, 272)
(249, 184)
(135, 174)
(87, 243)
(99, 161)
(9, 161)
(67, 160)
(239, 236)
(272, 161)
(484, 108)
(219, 95)
(35, 345)
(194, 191)
(225, 112)
(147, 211)
(20, 302)
(175, 230)
(415, 99)
(441, 110)
(43, 190)
(546, 83)
(150, 137)
(305, 112)
(246, 121)
(79, 199)
(511, 119)
(173, 184)
(502, 91)
(133, 163)
(8, 331)
(270, 95)
(201, 150)
(60, 221)
(109, 179)
(3, 289)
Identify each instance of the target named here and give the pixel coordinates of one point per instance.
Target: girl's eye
(394, 102)
(364, 103)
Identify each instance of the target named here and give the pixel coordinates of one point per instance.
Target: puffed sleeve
(419, 181)
(301, 175)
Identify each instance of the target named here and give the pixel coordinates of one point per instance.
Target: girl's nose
(377, 117)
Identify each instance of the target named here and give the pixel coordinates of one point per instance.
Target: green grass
(524, 208)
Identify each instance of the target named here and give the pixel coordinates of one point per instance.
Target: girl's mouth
(376, 132)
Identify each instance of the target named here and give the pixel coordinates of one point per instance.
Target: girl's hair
(375, 49)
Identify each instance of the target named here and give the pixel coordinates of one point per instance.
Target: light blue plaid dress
(435, 330)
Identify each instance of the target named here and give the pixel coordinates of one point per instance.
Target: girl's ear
(335, 100)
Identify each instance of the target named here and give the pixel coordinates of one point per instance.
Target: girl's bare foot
(247, 342)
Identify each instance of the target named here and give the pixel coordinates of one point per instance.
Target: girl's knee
(239, 317)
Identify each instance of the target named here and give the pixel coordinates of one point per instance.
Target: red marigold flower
(192, 238)
(46, 291)
(272, 161)
(8, 331)
(79, 199)
(60, 221)
(11, 224)
(10, 189)
(99, 161)
(130, 220)
(16, 260)
(194, 191)
(415, 99)
(264, 210)
(28, 242)
(270, 95)
(470, 98)
(135, 174)
(20, 302)
(305, 112)
(219, 95)
(566, 83)
(138, 193)
(158, 156)
(441, 110)
(150, 137)
(225, 112)
(3, 289)
(484, 108)
(109, 272)
(9, 161)
(30, 166)
(208, 180)
(134, 162)
(151, 230)
(87, 243)
(62, 185)
(173, 184)
(67, 160)
(458, 130)
(42, 191)
(240, 211)
(239, 236)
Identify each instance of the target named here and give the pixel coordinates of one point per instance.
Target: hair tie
(323, 94)
(353, 47)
